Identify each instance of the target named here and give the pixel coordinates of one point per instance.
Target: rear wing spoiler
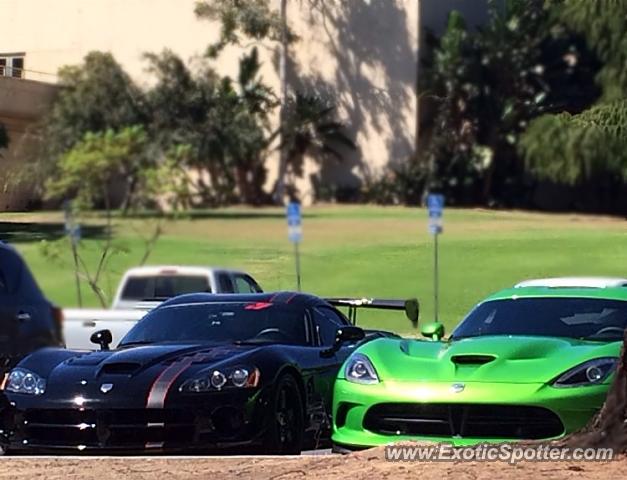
(409, 306)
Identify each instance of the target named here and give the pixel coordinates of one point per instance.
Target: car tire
(286, 431)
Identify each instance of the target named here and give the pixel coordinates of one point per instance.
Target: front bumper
(568, 409)
(196, 423)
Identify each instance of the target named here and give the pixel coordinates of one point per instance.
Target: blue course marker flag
(435, 206)
(294, 223)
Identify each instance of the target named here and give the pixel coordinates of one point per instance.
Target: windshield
(162, 287)
(581, 318)
(219, 323)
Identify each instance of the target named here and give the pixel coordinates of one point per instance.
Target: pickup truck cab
(143, 289)
(146, 287)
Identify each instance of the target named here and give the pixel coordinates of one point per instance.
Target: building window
(12, 65)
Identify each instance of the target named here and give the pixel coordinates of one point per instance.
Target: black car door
(326, 322)
(10, 271)
(26, 321)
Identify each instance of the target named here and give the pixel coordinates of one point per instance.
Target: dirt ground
(363, 465)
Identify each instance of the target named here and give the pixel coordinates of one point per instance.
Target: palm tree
(311, 127)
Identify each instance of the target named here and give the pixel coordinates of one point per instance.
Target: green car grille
(463, 420)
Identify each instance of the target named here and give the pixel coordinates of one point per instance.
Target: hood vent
(120, 368)
(472, 359)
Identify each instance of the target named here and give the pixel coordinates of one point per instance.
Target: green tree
(589, 149)
(255, 19)
(95, 96)
(603, 23)
(88, 173)
(486, 85)
(574, 149)
(251, 19)
(311, 127)
(224, 122)
(307, 123)
(90, 170)
(237, 134)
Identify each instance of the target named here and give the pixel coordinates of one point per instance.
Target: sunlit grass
(353, 250)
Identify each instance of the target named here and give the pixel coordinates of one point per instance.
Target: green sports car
(533, 362)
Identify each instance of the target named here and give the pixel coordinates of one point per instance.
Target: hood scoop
(120, 368)
(472, 359)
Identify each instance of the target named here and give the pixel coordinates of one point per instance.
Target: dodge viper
(527, 363)
(199, 373)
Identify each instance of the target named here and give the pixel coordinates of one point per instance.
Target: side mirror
(412, 311)
(433, 330)
(343, 335)
(102, 338)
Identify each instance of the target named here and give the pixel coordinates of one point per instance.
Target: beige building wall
(364, 53)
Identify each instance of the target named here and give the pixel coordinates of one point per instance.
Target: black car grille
(127, 428)
(463, 420)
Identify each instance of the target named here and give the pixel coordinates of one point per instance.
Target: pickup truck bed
(80, 323)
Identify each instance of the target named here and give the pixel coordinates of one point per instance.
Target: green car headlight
(589, 373)
(359, 369)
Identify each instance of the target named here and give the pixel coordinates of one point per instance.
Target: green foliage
(90, 172)
(214, 133)
(483, 251)
(235, 137)
(253, 19)
(486, 85)
(96, 96)
(311, 127)
(578, 148)
(603, 23)
(402, 185)
(90, 169)
(589, 148)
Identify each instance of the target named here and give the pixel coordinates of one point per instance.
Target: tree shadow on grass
(223, 215)
(28, 232)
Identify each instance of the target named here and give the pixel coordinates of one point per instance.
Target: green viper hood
(495, 359)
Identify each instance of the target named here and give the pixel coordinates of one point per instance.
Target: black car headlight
(238, 377)
(591, 372)
(24, 381)
(359, 369)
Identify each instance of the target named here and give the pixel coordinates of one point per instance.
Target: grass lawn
(351, 250)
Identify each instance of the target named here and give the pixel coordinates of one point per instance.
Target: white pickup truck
(141, 290)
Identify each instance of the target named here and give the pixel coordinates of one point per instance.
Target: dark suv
(28, 321)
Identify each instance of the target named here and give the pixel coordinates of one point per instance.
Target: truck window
(226, 285)
(163, 286)
(246, 284)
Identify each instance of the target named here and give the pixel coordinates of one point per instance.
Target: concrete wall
(363, 52)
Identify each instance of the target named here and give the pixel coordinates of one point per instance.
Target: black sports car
(200, 373)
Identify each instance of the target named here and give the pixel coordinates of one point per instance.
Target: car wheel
(286, 424)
